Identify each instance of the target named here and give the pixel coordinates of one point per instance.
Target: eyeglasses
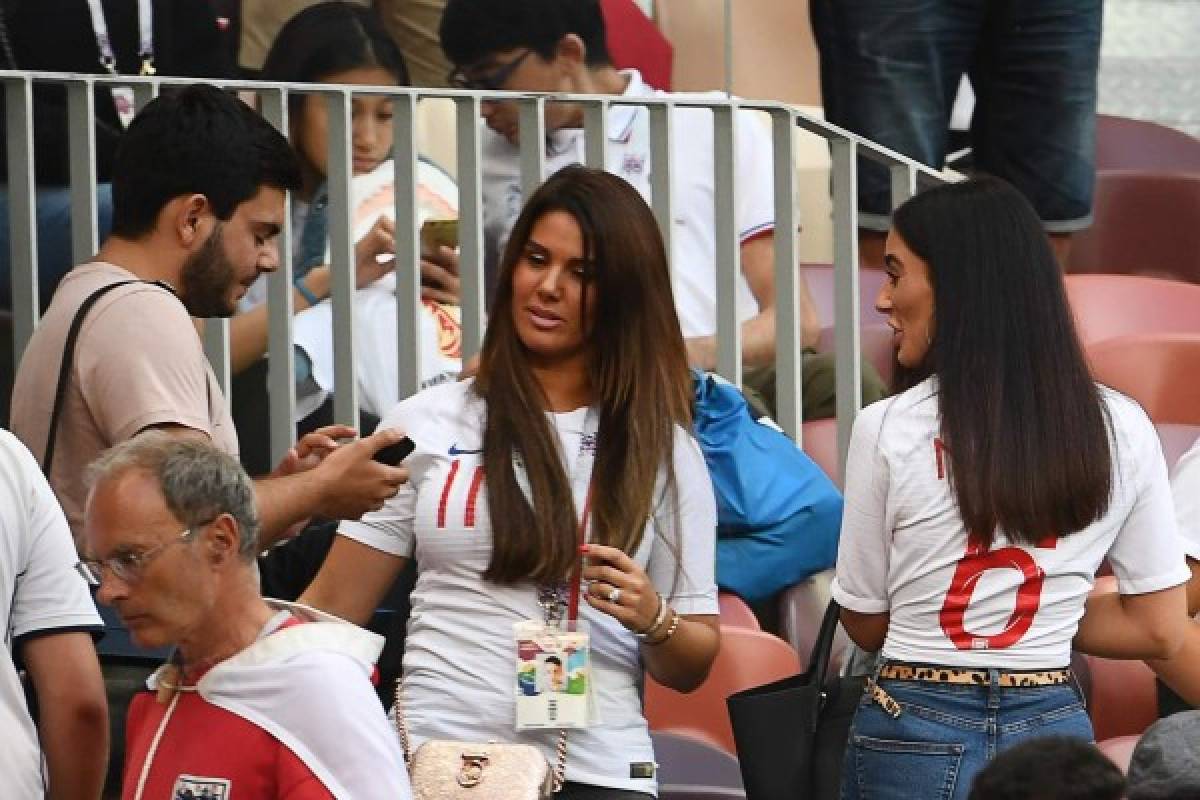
(490, 81)
(128, 567)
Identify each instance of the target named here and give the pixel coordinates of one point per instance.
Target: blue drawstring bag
(778, 514)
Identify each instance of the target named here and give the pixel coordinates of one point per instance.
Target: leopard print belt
(976, 677)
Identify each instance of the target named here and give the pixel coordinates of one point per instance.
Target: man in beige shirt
(199, 190)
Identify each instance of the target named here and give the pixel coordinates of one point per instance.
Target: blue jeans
(890, 71)
(53, 237)
(946, 733)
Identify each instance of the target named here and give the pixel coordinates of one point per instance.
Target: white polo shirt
(40, 592)
(1185, 487)
(693, 241)
(904, 549)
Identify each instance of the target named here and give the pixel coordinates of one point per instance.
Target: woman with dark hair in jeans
(982, 498)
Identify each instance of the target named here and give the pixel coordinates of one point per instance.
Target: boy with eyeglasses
(560, 46)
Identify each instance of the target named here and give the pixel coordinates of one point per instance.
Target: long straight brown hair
(637, 368)
(1023, 422)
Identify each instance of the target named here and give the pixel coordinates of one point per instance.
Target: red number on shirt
(970, 569)
(974, 563)
(469, 512)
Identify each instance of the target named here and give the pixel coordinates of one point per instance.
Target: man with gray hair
(261, 699)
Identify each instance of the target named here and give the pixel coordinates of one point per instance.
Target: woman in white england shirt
(981, 501)
(583, 363)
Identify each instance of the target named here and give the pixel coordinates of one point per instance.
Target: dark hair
(200, 140)
(1050, 768)
(1022, 421)
(329, 38)
(473, 30)
(638, 370)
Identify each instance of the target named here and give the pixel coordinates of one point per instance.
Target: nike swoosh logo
(454, 451)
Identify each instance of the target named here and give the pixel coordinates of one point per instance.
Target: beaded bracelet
(674, 626)
(659, 618)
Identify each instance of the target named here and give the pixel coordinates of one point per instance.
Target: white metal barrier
(844, 147)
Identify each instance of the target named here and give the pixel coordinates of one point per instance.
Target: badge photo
(553, 680)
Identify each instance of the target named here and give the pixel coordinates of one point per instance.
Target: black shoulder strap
(64, 371)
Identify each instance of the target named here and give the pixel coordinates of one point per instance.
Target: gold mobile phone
(437, 233)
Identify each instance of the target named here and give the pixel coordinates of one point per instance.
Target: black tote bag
(791, 734)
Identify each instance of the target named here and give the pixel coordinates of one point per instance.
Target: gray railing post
(342, 262)
(22, 211)
(595, 132)
(532, 144)
(788, 322)
(281, 358)
(470, 224)
(81, 122)
(846, 308)
(408, 246)
(728, 255)
(660, 173)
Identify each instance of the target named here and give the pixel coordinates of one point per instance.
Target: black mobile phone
(393, 454)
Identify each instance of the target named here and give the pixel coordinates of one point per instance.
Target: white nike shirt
(459, 656)
(903, 547)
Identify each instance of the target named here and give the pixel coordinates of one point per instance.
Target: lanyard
(551, 598)
(108, 59)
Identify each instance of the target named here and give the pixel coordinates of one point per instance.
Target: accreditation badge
(553, 676)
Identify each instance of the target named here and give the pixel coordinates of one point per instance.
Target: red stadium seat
(819, 441)
(819, 278)
(876, 343)
(1144, 223)
(1123, 699)
(735, 613)
(1123, 143)
(1108, 306)
(1119, 750)
(1160, 371)
(747, 658)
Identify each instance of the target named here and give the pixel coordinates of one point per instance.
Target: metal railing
(845, 147)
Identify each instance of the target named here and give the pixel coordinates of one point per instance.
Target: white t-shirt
(1018, 607)
(693, 239)
(40, 592)
(459, 656)
(1186, 488)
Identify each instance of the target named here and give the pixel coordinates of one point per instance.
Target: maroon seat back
(1144, 223)
(1123, 143)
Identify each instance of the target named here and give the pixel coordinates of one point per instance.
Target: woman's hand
(379, 241)
(439, 276)
(620, 588)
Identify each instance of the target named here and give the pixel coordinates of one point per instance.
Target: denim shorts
(946, 733)
(890, 70)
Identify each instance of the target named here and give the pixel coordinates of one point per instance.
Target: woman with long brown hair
(578, 417)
